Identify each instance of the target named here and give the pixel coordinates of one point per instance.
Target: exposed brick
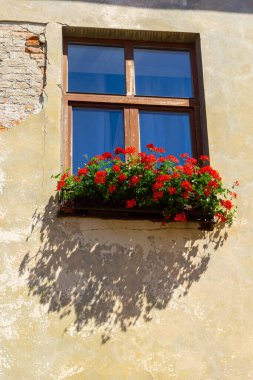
(34, 50)
(22, 71)
(33, 41)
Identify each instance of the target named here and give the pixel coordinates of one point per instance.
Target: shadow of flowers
(108, 283)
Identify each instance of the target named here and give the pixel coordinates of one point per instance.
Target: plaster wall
(93, 299)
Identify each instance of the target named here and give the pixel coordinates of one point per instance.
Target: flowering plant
(174, 185)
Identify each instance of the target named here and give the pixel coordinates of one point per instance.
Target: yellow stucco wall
(93, 299)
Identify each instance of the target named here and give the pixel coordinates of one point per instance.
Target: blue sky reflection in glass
(163, 73)
(166, 130)
(96, 69)
(95, 131)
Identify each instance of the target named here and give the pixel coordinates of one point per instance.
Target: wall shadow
(237, 6)
(107, 283)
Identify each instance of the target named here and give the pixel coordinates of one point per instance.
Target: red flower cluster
(221, 217)
(172, 190)
(157, 195)
(116, 168)
(186, 185)
(83, 171)
(121, 178)
(131, 203)
(163, 178)
(134, 180)
(130, 150)
(227, 204)
(208, 169)
(107, 156)
(119, 150)
(180, 217)
(172, 159)
(60, 184)
(154, 148)
(152, 181)
(100, 177)
(112, 188)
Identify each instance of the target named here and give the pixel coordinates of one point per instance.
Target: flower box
(80, 207)
(147, 186)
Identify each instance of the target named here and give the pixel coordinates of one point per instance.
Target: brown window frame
(131, 103)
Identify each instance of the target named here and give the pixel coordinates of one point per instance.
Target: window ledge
(80, 208)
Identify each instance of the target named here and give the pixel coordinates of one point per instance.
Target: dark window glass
(95, 131)
(163, 73)
(166, 130)
(96, 69)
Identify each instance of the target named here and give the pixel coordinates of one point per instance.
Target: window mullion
(127, 127)
(129, 67)
(134, 125)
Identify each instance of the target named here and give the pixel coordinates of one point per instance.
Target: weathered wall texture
(89, 299)
(22, 71)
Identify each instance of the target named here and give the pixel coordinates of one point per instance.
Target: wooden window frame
(131, 103)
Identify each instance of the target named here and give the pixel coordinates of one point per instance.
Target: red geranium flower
(184, 155)
(130, 203)
(100, 157)
(186, 185)
(227, 204)
(116, 168)
(159, 150)
(82, 171)
(213, 184)
(191, 160)
(60, 184)
(107, 156)
(157, 195)
(204, 158)
(134, 180)
(130, 150)
(172, 190)
(121, 178)
(176, 175)
(150, 146)
(100, 177)
(161, 159)
(180, 217)
(188, 169)
(64, 176)
(233, 194)
(112, 188)
(207, 192)
(147, 158)
(163, 178)
(208, 169)
(157, 186)
(172, 159)
(119, 150)
(76, 178)
(221, 217)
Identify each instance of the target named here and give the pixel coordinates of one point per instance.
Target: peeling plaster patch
(13, 235)
(3, 156)
(67, 372)
(22, 71)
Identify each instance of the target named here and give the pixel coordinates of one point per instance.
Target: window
(122, 93)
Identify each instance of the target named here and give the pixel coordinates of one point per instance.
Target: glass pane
(96, 69)
(163, 73)
(166, 130)
(95, 131)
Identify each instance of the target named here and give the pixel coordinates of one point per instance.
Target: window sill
(81, 208)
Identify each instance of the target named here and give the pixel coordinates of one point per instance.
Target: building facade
(91, 298)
